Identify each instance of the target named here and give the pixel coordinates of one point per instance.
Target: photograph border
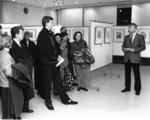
(110, 40)
(140, 29)
(34, 39)
(95, 32)
(121, 39)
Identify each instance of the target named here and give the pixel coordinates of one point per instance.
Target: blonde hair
(4, 39)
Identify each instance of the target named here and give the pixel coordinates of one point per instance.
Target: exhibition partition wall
(101, 43)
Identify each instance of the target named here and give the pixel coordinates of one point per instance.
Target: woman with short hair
(11, 93)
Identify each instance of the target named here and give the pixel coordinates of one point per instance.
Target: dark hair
(0, 27)
(15, 30)
(63, 34)
(46, 19)
(133, 24)
(57, 34)
(74, 36)
(63, 27)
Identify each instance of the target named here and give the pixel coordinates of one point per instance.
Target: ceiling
(73, 3)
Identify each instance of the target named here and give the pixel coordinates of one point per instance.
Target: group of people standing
(57, 64)
(18, 57)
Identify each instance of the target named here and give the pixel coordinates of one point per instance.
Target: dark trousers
(53, 75)
(7, 103)
(136, 71)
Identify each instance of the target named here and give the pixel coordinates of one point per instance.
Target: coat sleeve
(45, 47)
(123, 45)
(142, 45)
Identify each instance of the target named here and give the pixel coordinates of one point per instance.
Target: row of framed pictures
(32, 32)
(103, 35)
(119, 34)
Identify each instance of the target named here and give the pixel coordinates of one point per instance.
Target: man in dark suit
(20, 55)
(49, 56)
(30, 48)
(132, 46)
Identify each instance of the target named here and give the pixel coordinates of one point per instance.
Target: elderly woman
(12, 97)
(82, 68)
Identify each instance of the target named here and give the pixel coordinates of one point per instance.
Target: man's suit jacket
(47, 49)
(30, 48)
(18, 53)
(138, 44)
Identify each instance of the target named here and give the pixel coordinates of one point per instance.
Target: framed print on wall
(145, 33)
(33, 34)
(99, 35)
(108, 35)
(69, 33)
(119, 35)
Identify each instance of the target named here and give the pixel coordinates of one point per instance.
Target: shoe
(28, 111)
(125, 90)
(83, 88)
(70, 102)
(79, 88)
(49, 106)
(137, 93)
(17, 118)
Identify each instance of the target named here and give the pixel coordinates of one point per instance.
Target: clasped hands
(77, 53)
(128, 49)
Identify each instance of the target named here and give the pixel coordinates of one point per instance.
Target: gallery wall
(141, 14)
(13, 13)
(103, 14)
(101, 50)
(117, 44)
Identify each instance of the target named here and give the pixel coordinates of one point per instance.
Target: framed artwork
(145, 33)
(119, 35)
(7, 31)
(99, 35)
(33, 34)
(108, 35)
(69, 33)
(75, 30)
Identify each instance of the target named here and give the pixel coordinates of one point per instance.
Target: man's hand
(128, 49)
(131, 50)
(59, 58)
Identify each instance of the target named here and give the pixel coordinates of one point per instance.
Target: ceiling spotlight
(76, 2)
(13, 0)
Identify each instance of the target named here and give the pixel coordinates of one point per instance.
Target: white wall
(13, 13)
(102, 53)
(141, 14)
(104, 14)
(70, 17)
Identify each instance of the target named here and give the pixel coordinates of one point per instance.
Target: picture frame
(75, 30)
(69, 33)
(33, 34)
(119, 35)
(99, 35)
(145, 33)
(108, 35)
(7, 31)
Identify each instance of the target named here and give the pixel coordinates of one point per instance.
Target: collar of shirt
(18, 43)
(133, 36)
(6, 49)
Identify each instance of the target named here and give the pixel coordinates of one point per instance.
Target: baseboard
(119, 60)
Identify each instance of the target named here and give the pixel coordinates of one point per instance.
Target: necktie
(131, 39)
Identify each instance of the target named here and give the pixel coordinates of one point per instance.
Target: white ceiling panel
(67, 3)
